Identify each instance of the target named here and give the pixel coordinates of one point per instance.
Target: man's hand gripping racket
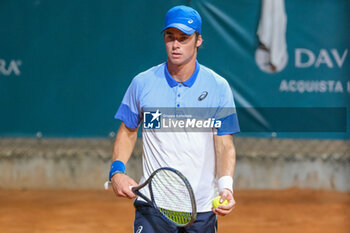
(170, 194)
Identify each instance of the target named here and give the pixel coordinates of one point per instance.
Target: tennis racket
(170, 194)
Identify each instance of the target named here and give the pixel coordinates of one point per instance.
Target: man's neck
(181, 73)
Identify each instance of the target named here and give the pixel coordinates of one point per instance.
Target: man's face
(180, 47)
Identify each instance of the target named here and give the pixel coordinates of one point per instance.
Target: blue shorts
(147, 220)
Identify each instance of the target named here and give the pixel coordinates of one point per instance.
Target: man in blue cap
(207, 158)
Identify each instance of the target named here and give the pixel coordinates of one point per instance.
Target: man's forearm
(225, 155)
(124, 143)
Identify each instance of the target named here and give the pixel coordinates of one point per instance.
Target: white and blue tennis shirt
(192, 153)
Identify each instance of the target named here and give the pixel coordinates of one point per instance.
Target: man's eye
(183, 38)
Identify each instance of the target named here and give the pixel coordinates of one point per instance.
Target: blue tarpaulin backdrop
(65, 65)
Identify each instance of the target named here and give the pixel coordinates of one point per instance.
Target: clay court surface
(284, 211)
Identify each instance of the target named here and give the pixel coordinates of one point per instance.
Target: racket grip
(107, 185)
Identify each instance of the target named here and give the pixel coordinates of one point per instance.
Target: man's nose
(176, 43)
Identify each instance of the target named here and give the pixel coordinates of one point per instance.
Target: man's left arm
(225, 165)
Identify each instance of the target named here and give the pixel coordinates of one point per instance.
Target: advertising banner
(65, 66)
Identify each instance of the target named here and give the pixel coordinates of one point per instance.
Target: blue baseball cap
(184, 18)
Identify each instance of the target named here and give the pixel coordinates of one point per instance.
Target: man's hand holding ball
(224, 204)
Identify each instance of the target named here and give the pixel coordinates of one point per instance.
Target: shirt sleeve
(129, 110)
(226, 112)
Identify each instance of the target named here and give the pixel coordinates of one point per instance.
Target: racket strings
(172, 196)
(178, 217)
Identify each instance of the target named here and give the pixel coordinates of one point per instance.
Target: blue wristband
(116, 167)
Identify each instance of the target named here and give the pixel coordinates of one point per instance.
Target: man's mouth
(176, 55)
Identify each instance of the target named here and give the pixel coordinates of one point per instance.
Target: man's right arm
(122, 150)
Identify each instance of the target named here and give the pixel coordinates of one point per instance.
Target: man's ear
(199, 41)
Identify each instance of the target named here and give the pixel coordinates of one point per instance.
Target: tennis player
(207, 159)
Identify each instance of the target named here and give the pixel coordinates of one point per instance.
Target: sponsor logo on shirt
(203, 96)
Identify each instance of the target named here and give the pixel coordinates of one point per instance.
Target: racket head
(172, 195)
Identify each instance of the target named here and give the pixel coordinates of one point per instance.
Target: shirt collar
(189, 82)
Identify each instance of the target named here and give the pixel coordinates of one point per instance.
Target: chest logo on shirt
(202, 96)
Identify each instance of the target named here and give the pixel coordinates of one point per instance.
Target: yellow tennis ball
(216, 202)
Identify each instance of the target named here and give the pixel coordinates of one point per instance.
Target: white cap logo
(190, 21)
